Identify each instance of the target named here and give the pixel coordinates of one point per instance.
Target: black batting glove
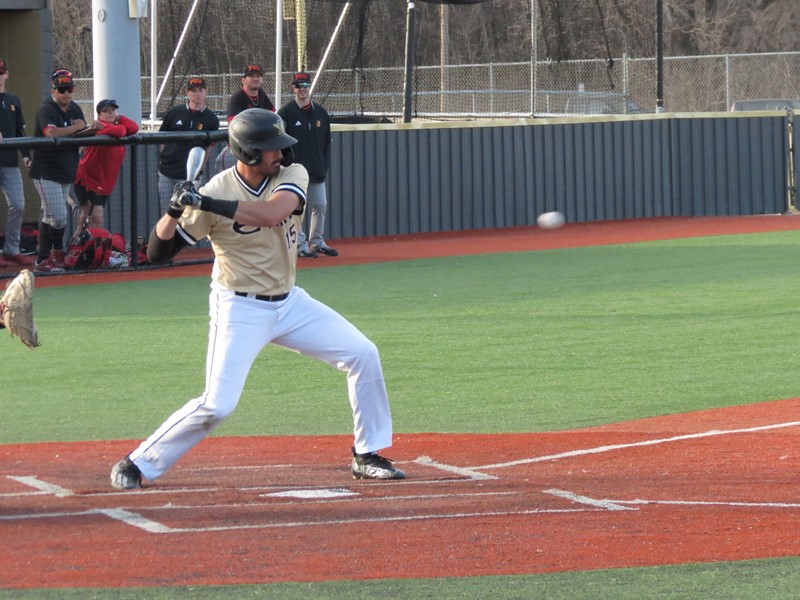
(188, 194)
(175, 209)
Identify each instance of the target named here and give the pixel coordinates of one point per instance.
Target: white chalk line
(274, 503)
(609, 504)
(579, 499)
(464, 472)
(470, 473)
(42, 486)
(653, 442)
(136, 520)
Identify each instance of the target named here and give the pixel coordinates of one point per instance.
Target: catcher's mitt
(17, 308)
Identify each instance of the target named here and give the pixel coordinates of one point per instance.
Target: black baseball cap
(63, 81)
(103, 104)
(195, 82)
(301, 79)
(60, 73)
(252, 69)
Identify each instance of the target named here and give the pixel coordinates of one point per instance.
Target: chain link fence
(504, 90)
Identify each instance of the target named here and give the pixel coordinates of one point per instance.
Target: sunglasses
(301, 86)
(65, 90)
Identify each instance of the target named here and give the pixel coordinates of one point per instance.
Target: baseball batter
(251, 214)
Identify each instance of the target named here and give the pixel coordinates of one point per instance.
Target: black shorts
(88, 196)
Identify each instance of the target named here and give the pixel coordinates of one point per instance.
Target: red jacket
(100, 165)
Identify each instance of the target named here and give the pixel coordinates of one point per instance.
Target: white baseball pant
(240, 328)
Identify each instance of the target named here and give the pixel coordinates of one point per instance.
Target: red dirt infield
(705, 486)
(677, 489)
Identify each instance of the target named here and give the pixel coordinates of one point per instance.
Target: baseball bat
(194, 163)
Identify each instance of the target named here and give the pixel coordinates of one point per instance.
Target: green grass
(531, 341)
(511, 342)
(747, 580)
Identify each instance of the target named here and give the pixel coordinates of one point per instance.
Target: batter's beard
(274, 168)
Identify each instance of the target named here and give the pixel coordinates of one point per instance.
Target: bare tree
(227, 33)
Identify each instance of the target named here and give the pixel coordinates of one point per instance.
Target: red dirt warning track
(706, 486)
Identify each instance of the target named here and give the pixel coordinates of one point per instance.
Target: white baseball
(550, 220)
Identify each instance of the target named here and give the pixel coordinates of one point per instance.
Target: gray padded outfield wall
(389, 179)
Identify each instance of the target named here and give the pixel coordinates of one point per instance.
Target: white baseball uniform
(254, 302)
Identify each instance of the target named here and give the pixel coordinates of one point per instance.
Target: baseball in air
(550, 220)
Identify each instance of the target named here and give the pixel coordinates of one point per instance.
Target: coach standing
(12, 124)
(251, 95)
(192, 116)
(309, 123)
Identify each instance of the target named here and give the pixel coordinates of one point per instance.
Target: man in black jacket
(193, 115)
(249, 96)
(12, 124)
(309, 123)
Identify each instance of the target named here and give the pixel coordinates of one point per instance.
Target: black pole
(409, 81)
(134, 237)
(659, 55)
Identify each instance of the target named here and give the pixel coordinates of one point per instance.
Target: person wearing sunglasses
(53, 169)
(12, 124)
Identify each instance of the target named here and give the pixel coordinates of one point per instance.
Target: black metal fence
(131, 210)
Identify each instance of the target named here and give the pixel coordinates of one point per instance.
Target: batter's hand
(175, 209)
(186, 194)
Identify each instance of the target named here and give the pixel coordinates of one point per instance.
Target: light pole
(409, 80)
(660, 56)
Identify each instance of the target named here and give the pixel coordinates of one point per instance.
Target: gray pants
(165, 187)
(11, 184)
(314, 219)
(55, 198)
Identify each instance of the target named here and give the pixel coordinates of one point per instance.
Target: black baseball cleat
(307, 254)
(327, 251)
(125, 475)
(373, 466)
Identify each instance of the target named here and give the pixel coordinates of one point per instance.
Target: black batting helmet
(254, 130)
